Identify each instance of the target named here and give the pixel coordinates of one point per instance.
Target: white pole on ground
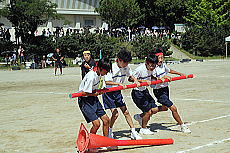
(226, 54)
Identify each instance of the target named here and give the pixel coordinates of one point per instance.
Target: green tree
(120, 13)
(162, 12)
(143, 45)
(206, 41)
(74, 45)
(208, 24)
(201, 13)
(27, 15)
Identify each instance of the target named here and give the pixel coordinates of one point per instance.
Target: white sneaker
(110, 133)
(138, 118)
(185, 129)
(145, 131)
(135, 135)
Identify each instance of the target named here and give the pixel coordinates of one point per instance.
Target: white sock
(133, 130)
(110, 130)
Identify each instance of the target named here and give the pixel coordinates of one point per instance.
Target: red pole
(96, 141)
(74, 95)
(88, 140)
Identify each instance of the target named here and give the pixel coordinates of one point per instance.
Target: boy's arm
(135, 80)
(114, 83)
(92, 94)
(175, 72)
(141, 81)
(162, 79)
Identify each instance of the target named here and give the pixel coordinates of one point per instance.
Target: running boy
(89, 105)
(161, 91)
(113, 100)
(141, 96)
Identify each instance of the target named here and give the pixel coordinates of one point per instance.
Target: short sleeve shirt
(161, 71)
(142, 73)
(118, 75)
(90, 82)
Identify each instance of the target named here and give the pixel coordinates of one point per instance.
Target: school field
(37, 116)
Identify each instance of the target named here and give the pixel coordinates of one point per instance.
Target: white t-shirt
(90, 82)
(141, 73)
(161, 71)
(118, 75)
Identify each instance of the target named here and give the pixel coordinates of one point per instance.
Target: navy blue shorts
(113, 99)
(162, 96)
(143, 100)
(91, 108)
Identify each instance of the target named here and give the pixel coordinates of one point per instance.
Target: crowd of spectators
(127, 33)
(18, 58)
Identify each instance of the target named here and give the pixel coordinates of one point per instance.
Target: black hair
(105, 63)
(124, 55)
(151, 58)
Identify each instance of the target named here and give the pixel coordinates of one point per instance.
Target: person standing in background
(87, 64)
(21, 53)
(58, 58)
(43, 61)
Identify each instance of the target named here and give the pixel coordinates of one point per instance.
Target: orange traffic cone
(88, 140)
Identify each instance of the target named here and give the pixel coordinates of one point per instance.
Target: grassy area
(69, 62)
(185, 52)
(9, 67)
(137, 61)
(198, 57)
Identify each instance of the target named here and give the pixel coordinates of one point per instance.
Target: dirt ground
(37, 116)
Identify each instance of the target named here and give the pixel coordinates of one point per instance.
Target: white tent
(227, 39)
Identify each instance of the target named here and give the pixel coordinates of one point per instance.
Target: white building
(180, 27)
(80, 13)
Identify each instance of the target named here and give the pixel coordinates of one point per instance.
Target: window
(89, 23)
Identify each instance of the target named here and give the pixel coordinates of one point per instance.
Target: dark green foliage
(119, 13)
(144, 45)
(40, 45)
(6, 46)
(27, 15)
(74, 45)
(209, 24)
(162, 12)
(208, 41)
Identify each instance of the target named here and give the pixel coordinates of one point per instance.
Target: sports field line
(206, 145)
(207, 120)
(200, 100)
(204, 100)
(26, 92)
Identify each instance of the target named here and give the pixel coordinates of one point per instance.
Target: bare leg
(146, 116)
(95, 127)
(55, 70)
(114, 116)
(105, 120)
(61, 70)
(175, 114)
(127, 116)
(162, 108)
